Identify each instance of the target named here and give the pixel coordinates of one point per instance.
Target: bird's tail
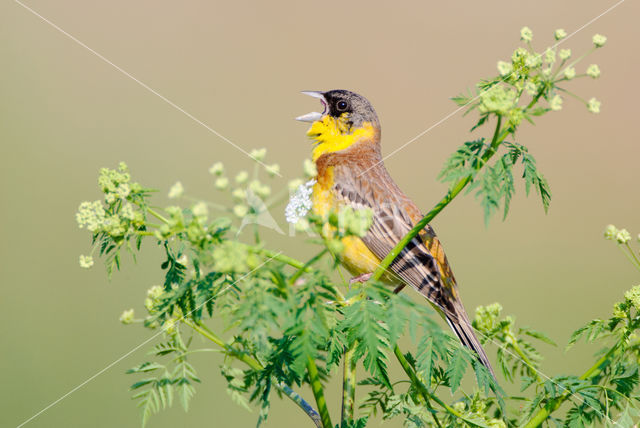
(460, 324)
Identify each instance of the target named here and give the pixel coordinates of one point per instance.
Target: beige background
(239, 68)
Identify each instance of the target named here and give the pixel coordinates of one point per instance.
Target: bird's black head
(338, 102)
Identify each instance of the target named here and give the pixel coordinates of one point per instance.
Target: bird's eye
(342, 105)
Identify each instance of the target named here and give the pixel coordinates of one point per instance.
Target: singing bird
(350, 172)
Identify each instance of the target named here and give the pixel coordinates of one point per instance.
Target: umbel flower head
(300, 202)
(593, 71)
(86, 261)
(593, 105)
(560, 34)
(526, 34)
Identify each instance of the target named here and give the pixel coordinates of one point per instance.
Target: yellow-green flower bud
(123, 190)
(222, 183)
(242, 177)
(504, 68)
(91, 215)
(127, 316)
(258, 154)
(294, 184)
(533, 61)
(176, 190)
(240, 210)
(86, 261)
(239, 194)
(531, 88)
(593, 105)
(155, 292)
(633, 297)
(169, 326)
(273, 170)
(623, 236)
(263, 191)
(564, 54)
(200, 209)
(569, 73)
(526, 34)
(550, 56)
(599, 40)
(555, 103)
(309, 168)
(560, 34)
(217, 168)
(593, 71)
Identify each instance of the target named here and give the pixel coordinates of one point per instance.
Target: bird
(351, 173)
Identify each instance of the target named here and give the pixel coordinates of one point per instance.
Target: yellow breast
(356, 257)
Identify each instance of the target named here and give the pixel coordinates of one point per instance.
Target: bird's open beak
(314, 115)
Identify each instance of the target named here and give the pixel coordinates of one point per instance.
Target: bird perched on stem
(351, 173)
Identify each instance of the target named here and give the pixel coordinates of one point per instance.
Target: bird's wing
(422, 263)
(392, 219)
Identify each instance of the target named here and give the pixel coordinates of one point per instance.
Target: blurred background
(239, 67)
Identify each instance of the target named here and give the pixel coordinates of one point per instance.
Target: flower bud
(86, 261)
(127, 316)
(569, 73)
(564, 54)
(242, 177)
(599, 40)
(593, 105)
(526, 34)
(222, 183)
(258, 154)
(216, 169)
(593, 71)
(623, 236)
(560, 34)
(176, 190)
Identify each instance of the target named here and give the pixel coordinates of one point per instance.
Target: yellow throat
(334, 134)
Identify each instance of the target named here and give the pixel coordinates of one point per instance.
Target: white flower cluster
(300, 202)
(91, 215)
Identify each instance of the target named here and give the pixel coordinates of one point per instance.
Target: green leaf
(533, 178)
(457, 367)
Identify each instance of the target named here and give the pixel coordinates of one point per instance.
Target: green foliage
(289, 323)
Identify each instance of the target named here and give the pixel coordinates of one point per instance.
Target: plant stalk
(348, 385)
(554, 405)
(318, 393)
(255, 364)
(426, 395)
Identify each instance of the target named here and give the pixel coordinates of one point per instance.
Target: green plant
(289, 323)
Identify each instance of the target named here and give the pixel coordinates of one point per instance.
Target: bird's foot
(399, 288)
(361, 278)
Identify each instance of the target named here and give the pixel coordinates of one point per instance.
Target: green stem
(157, 215)
(348, 385)
(306, 266)
(284, 259)
(424, 391)
(633, 257)
(255, 364)
(498, 137)
(514, 344)
(554, 405)
(318, 393)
